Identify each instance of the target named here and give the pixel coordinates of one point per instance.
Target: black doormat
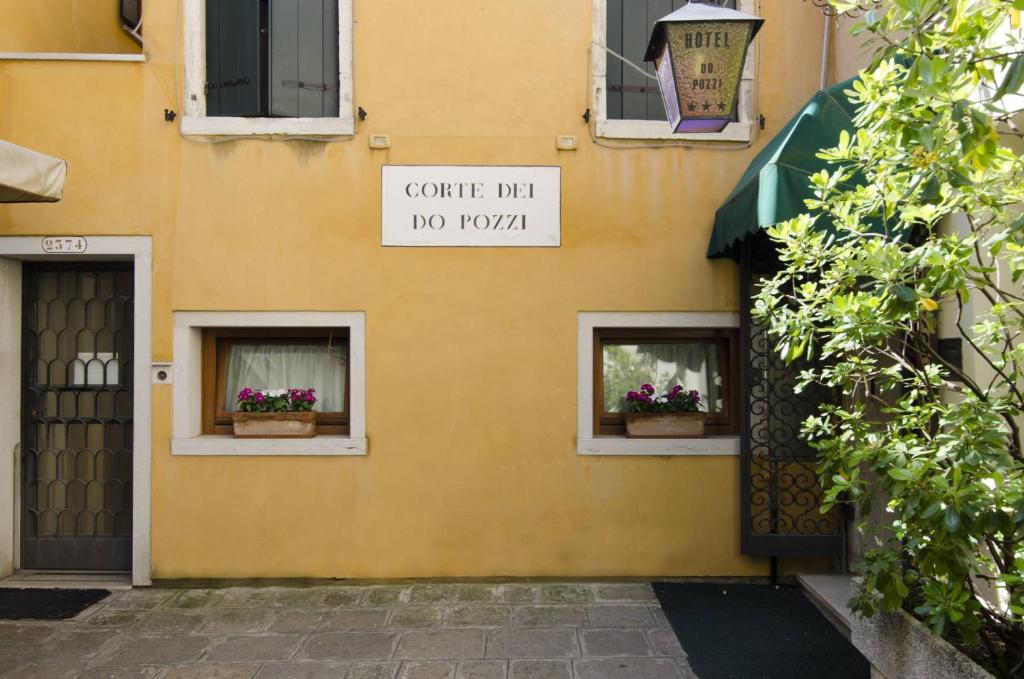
(757, 632)
(46, 604)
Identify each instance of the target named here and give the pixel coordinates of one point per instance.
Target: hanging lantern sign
(698, 52)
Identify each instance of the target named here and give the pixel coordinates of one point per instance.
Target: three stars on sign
(706, 106)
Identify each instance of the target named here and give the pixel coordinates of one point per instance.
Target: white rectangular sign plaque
(474, 206)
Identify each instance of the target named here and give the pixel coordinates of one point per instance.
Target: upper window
(700, 359)
(628, 105)
(274, 358)
(268, 67)
(629, 95)
(276, 59)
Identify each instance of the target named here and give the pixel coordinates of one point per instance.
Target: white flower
(274, 393)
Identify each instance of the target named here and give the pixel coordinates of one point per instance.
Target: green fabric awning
(777, 182)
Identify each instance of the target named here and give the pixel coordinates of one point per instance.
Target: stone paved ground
(418, 631)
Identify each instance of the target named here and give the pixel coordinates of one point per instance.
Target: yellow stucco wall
(63, 26)
(471, 353)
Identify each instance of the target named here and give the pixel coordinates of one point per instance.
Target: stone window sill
(620, 445)
(255, 127)
(72, 56)
(323, 446)
(657, 130)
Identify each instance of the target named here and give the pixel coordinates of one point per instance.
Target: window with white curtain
(271, 358)
(319, 366)
(697, 359)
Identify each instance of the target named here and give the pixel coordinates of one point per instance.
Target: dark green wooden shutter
(233, 58)
(304, 58)
(629, 95)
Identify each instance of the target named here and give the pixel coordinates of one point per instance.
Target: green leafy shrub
(920, 217)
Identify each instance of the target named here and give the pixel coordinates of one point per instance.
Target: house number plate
(64, 245)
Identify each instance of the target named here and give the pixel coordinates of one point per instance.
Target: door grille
(77, 417)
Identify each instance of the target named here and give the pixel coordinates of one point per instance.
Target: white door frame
(13, 251)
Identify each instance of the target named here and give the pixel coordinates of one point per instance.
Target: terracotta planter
(301, 425)
(665, 425)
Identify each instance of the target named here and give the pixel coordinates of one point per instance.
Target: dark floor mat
(47, 604)
(757, 632)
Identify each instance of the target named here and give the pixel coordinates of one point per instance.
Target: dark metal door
(76, 461)
(780, 496)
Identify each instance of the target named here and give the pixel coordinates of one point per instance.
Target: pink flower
(647, 388)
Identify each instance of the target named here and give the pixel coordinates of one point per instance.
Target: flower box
(287, 425)
(665, 425)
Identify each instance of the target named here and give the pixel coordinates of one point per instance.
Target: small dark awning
(776, 183)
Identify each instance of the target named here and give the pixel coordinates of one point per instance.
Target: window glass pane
(288, 366)
(695, 365)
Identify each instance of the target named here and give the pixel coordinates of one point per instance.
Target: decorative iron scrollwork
(781, 494)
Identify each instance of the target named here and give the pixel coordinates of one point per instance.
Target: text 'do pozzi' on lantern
(698, 52)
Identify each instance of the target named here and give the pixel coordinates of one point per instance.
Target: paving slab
(298, 621)
(414, 617)
(429, 669)
(614, 642)
(194, 598)
(158, 650)
(342, 597)
(550, 616)
(482, 669)
(355, 618)
(441, 645)
(303, 670)
(79, 645)
(665, 642)
(377, 596)
(26, 634)
(42, 670)
(118, 672)
(236, 621)
(620, 616)
(431, 594)
(377, 670)
(141, 598)
(478, 616)
(533, 643)
(167, 620)
(625, 592)
(541, 669)
(517, 594)
(567, 594)
(628, 668)
(212, 671)
(263, 648)
(475, 593)
(349, 646)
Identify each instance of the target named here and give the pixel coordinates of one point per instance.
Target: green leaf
(901, 474)
(952, 519)
(903, 293)
(1013, 79)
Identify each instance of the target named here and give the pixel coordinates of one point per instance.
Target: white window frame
(742, 131)
(196, 122)
(586, 441)
(188, 437)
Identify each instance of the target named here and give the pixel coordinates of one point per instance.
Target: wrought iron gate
(76, 461)
(780, 496)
